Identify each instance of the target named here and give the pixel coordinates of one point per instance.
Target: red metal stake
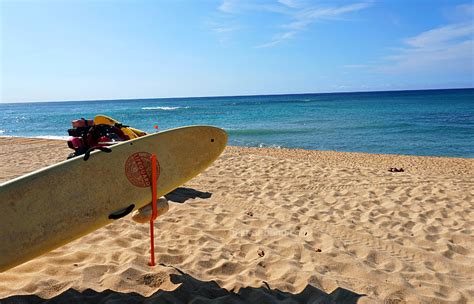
(154, 182)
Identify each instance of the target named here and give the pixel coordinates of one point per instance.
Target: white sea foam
(164, 108)
(40, 136)
(52, 137)
(262, 145)
(2, 131)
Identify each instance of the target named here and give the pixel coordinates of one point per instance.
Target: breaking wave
(57, 137)
(163, 108)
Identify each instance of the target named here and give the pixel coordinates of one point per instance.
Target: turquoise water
(432, 122)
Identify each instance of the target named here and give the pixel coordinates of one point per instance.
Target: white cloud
(240, 6)
(355, 66)
(446, 48)
(439, 52)
(290, 3)
(461, 12)
(223, 30)
(467, 10)
(278, 38)
(441, 36)
(300, 12)
(227, 6)
(305, 16)
(220, 29)
(331, 12)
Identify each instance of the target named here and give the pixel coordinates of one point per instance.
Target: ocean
(425, 122)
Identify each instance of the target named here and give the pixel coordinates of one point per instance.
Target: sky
(104, 49)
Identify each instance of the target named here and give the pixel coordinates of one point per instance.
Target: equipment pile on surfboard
(99, 132)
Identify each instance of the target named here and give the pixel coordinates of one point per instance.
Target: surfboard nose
(217, 140)
(219, 137)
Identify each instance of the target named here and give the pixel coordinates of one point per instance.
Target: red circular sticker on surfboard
(138, 169)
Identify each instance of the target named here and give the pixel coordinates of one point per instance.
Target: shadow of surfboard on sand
(196, 291)
(182, 194)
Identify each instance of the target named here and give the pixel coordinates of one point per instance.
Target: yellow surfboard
(50, 207)
(106, 120)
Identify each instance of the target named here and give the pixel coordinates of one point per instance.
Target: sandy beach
(271, 225)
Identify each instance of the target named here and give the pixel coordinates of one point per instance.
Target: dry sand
(269, 225)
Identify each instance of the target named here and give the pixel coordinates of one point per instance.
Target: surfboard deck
(55, 205)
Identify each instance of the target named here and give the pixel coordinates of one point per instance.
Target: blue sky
(80, 50)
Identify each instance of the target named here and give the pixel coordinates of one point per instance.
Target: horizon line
(230, 96)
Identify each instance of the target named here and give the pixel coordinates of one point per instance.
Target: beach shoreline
(449, 165)
(265, 223)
